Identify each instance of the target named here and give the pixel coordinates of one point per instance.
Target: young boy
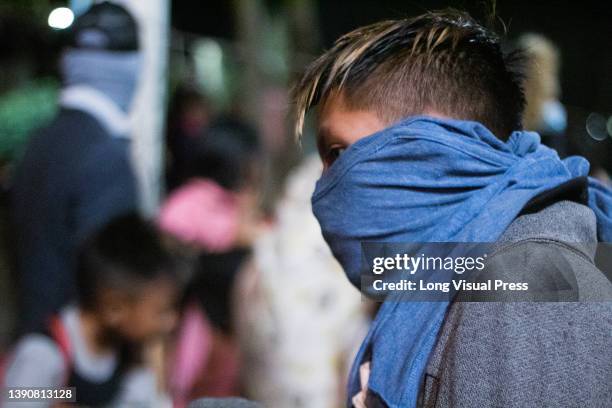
(127, 289)
(419, 130)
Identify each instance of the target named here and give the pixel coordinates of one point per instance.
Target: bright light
(208, 57)
(61, 18)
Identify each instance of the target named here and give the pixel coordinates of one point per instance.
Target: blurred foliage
(274, 5)
(33, 8)
(28, 48)
(22, 111)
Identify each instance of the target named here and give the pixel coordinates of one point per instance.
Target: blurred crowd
(215, 295)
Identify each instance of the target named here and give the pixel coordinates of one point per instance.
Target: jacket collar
(95, 103)
(565, 221)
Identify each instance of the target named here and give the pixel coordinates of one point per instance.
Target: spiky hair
(442, 61)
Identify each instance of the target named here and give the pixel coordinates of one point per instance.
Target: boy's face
(340, 126)
(146, 316)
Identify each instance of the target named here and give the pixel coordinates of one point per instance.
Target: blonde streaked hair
(442, 61)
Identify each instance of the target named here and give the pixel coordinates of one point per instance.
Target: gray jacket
(530, 354)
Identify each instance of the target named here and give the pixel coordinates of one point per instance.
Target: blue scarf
(431, 180)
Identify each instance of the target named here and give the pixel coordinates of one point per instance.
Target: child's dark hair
(226, 153)
(124, 254)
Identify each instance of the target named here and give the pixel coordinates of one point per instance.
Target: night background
(217, 167)
(583, 31)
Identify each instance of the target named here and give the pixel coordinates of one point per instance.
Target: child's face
(340, 126)
(149, 315)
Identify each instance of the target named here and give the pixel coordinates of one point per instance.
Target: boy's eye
(332, 154)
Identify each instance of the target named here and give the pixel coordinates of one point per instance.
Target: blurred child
(214, 212)
(188, 115)
(127, 289)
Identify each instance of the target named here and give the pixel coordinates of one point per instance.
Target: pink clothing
(192, 348)
(202, 213)
(204, 361)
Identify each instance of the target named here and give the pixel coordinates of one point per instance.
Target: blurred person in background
(76, 173)
(544, 112)
(215, 212)
(299, 322)
(104, 345)
(188, 116)
(420, 133)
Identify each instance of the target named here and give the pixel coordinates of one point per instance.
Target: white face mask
(114, 73)
(554, 117)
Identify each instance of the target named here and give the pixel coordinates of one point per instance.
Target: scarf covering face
(431, 180)
(114, 73)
